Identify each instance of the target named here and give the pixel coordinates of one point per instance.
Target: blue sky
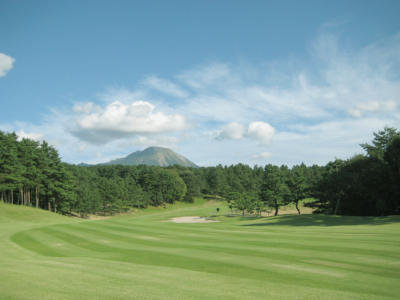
(257, 82)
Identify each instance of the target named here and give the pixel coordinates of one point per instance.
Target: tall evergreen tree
(274, 191)
(297, 185)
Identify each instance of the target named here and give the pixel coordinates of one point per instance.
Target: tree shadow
(245, 217)
(324, 220)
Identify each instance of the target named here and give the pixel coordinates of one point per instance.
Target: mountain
(153, 156)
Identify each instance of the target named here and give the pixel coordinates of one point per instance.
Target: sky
(220, 82)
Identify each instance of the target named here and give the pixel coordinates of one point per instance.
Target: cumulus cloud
(321, 107)
(6, 64)
(165, 86)
(231, 131)
(261, 131)
(117, 120)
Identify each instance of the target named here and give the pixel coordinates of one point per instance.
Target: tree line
(364, 184)
(31, 173)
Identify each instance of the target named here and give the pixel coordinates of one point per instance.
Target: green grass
(47, 256)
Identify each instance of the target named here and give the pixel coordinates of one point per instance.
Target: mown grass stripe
(298, 244)
(25, 240)
(312, 257)
(230, 247)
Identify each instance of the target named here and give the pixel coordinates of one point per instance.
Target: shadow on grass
(241, 217)
(324, 220)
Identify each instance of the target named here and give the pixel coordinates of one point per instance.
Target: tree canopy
(32, 173)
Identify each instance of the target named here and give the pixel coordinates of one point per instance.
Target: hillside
(153, 156)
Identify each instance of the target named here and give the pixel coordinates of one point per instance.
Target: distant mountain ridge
(153, 156)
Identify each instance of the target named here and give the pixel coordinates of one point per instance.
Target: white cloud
(122, 95)
(164, 86)
(372, 107)
(31, 135)
(6, 64)
(337, 83)
(261, 131)
(117, 120)
(261, 156)
(84, 107)
(159, 140)
(207, 76)
(320, 110)
(325, 141)
(231, 131)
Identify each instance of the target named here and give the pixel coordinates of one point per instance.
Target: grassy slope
(46, 256)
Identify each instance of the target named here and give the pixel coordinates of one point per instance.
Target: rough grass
(47, 256)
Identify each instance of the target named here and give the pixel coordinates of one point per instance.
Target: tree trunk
(297, 207)
(2, 196)
(48, 205)
(276, 207)
(337, 206)
(37, 196)
(55, 207)
(12, 196)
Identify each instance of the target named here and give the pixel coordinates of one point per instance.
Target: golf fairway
(146, 256)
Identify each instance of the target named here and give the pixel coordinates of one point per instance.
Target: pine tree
(274, 192)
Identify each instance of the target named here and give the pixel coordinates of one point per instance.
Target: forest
(32, 174)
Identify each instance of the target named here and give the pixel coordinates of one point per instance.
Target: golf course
(145, 255)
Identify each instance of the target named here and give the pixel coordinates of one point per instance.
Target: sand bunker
(192, 219)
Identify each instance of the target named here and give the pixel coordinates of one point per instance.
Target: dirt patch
(192, 219)
(97, 217)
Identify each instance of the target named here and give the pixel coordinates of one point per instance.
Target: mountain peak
(156, 148)
(153, 156)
